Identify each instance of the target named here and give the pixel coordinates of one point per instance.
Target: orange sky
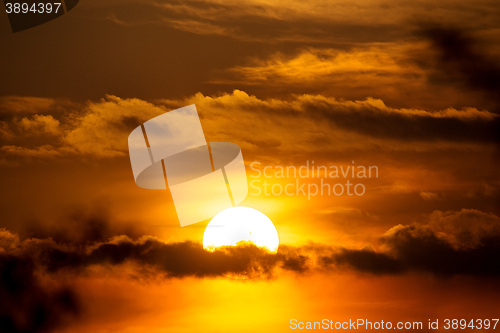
(409, 87)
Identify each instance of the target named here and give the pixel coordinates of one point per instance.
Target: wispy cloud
(320, 21)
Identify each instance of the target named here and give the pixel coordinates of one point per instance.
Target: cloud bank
(451, 243)
(100, 129)
(465, 242)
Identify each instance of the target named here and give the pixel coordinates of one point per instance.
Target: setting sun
(241, 224)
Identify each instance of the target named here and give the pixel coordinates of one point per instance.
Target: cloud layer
(451, 243)
(101, 128)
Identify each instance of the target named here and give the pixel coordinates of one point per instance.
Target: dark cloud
(293, 260)
(418, 248)
(26, 306)
(462, 61)
(439, 247)
(410, 248)
(79, 225)
(465, 242)
(405, 126)
(174, 260)
(128, 123)
(365, 261)
(424, 253)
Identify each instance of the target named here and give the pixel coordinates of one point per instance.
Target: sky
(409, 87)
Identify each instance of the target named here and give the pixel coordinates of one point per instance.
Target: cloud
(427, 195)
(104, 127)
(79, 226)
(437, 69)
(101, 129)
(200, 28)
(25, 104)
(417, 248)
(382, 71)
(316, 66)
(451, 243)
(369, 117)
(465, 229)
(364, 261)
(5, 132)
(318, 21)
(172, 260)
(43, 151)
(40, 124)
(461, 60)
(464, 242)
(94, 129)
(26, 305)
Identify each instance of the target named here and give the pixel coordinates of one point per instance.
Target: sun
(241, 224)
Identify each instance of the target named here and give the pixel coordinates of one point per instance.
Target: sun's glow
(235, 225)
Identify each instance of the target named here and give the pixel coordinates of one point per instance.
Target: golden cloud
(101, 128)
